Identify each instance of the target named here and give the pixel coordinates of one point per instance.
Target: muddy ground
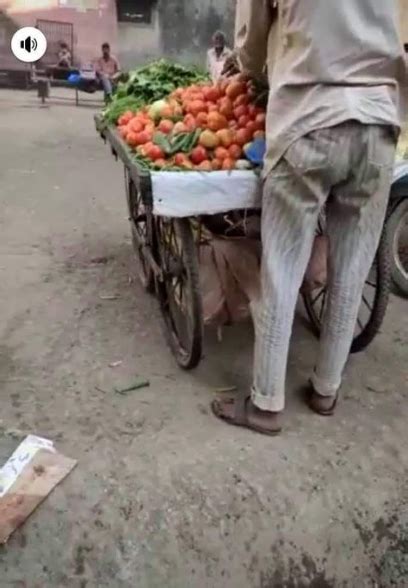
(163, 494)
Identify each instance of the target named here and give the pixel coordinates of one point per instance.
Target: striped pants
(348, 169)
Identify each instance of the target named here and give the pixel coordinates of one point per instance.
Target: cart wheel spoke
(323, 304)
(373, 302)
(317, 298)
(178, 292)
(366, 302)
(141, 234)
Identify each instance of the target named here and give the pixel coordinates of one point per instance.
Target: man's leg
(106, 85)
(290, 208)
(293, 195)
(355, 216)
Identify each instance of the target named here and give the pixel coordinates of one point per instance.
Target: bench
(57, 77)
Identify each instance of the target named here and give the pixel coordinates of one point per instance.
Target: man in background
(107, 70)
(217, 56)
(338, 80)
(64, 56)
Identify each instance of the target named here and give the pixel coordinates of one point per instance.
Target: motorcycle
(396, 228)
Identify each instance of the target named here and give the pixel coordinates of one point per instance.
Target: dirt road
(163, 494)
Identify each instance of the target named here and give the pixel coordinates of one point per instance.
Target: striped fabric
(348, 168)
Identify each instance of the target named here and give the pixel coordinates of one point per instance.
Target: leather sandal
(237, 412)
(322, 405)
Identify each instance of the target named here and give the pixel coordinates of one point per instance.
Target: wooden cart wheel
(179, 289)
(141, 228)
(373, 304)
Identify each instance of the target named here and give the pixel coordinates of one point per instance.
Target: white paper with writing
(21, 456)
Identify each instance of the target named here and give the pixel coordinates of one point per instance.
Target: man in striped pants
(337, 78)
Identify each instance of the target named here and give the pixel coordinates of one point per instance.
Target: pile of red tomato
(223, 113)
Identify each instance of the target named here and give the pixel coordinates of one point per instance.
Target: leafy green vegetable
(181, 142)
(150, 83)
(120, 105)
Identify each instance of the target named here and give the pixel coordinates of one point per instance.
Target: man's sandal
(322, 405)
(237, 412)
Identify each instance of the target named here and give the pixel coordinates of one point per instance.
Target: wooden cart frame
(167, 250)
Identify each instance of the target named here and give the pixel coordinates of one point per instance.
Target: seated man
(64, 56)
(107, 69)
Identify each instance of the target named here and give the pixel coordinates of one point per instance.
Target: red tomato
(234, 89)
(166, 126)
(226, 137)
(143, 137)
(166, 112)
(240, 111)
(154, 152)
(251, 127)
(261, 118)
(242, 99)
(136, 125)
(198, 155)
(212, 107)
(125, 118)
(216, 164)
(216, 121)
(235, 151)
(190, 122)
(204, 166)
(225, 107)
(259, 124)
(222, 86)
(197, 106)
(131, 139)
(221, 153)
(212, 93)
(202, 119)
(242, 137)
(252, 111)
(243, 121)
(150, 128)
(259, 135)
(228, 164)
(199, 96)
(160, 162)
(179, 159)
(180, 127)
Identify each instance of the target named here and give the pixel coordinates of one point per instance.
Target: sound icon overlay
(28, 44)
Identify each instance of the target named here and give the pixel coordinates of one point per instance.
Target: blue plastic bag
(74, 79)
(255, 152)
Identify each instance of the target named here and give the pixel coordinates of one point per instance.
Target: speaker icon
(29, 44)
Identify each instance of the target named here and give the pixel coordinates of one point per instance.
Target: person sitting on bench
(107, 70)
(64, 56)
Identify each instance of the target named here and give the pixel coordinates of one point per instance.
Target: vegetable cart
(166, 232)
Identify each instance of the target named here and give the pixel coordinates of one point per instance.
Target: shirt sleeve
(254, 19)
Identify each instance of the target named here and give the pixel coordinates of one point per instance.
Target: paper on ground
(182, 194)
(29, 475)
